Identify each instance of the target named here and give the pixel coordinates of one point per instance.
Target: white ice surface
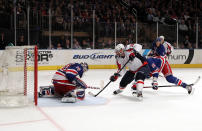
(167, 109)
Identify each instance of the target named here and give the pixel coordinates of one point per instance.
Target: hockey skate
(139, 95)
(69, 97)
(117, 91)
(189, 89)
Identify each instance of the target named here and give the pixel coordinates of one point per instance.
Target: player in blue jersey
(167, 71)
(161, 49)
(67, 83)
(157, 61)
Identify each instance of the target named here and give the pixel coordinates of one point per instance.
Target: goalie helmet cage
(18, 76)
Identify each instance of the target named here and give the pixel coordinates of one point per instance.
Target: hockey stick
(90, 93)
(197, 80)
(89, 87)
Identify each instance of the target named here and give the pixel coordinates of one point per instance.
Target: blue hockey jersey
(72, 70)
(68, 74)
(156, 63)
(158, 51)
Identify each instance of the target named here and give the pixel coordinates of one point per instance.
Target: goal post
(18, 76)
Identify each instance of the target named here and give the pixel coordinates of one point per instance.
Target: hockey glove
(79, 83)
(131, 56)
(155, 85)
(114, 77)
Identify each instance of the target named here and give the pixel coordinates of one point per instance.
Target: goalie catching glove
(114, 77)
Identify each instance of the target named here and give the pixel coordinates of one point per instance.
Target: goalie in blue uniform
(67, 83)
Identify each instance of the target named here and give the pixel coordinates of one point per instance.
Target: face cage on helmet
(120, 52)
(85, 66)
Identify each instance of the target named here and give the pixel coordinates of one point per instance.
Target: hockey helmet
(85, 66)
(158, 42)
(119, 48)
(161, 37)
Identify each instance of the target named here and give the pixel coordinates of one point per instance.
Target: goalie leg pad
(80, 93)
(68, 100)
(69, 97)
(46, 91)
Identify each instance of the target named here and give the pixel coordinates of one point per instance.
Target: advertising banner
(106, 58)
(178, 56)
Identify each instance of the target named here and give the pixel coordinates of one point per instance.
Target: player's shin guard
(134, 88)
(140, 85)
(180, 83)
(175, 81)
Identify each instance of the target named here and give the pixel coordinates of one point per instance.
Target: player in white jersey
(168, 47)
(138, 68)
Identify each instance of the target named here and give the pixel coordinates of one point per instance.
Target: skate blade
(140, 99)
(192, 92)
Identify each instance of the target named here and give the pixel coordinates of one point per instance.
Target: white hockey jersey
(168, 47)
(132, 65)
(137, 47)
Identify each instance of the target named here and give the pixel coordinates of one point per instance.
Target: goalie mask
(85, 66)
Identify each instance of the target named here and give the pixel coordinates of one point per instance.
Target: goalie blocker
(67, 83)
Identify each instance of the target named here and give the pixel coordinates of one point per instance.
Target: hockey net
(18, 76)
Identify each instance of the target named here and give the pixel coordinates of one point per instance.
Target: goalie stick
(196, 81)
(89, 87)
(90, 93)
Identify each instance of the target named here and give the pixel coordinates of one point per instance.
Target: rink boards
(105, 59)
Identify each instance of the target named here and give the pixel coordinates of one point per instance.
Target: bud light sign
(94, 56)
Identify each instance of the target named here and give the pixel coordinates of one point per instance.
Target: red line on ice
(22, 122)
(50, 119)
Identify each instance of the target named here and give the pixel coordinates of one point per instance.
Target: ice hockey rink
(167, 109)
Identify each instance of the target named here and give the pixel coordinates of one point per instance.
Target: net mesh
(17, 76)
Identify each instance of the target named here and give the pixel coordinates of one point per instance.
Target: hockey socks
(176, 81)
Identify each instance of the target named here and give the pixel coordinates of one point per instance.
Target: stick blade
(101, 84)
(197, 80)
(192, 92)
(91, 94)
